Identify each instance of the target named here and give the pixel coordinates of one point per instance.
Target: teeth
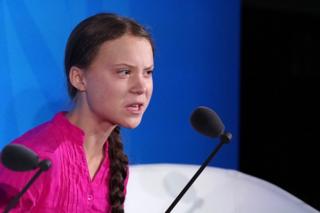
(135, 106)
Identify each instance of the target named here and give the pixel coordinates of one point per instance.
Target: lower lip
(135, 110)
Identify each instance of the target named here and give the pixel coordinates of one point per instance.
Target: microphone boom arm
(43, 166)
(224, 138)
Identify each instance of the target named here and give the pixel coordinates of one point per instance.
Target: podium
(153, 187)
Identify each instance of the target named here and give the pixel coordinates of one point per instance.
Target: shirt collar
(75, 133)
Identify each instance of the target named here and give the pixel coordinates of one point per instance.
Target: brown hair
(82, 47)
(118, 172)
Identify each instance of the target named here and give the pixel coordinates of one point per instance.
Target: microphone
(207, 122)
(17, 157)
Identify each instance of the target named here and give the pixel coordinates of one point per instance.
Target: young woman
(108, 64)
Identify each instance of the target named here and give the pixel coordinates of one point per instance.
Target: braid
(118, 172)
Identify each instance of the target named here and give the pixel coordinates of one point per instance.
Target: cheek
(103, 87)
(97, 90)
(150, 88)
(116, 93)
(100, 94)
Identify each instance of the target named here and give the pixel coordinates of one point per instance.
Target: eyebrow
(151, 67)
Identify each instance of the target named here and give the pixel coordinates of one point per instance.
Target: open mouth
(135, 108)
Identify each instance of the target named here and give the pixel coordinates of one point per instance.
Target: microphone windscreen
(207, 122)
(19, 158)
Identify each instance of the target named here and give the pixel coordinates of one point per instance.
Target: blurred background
(253, 62)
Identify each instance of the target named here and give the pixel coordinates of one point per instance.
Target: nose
(139, 85)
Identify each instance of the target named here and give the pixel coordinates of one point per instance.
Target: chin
(131, 124)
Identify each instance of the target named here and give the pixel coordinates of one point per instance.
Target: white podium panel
(153, 187)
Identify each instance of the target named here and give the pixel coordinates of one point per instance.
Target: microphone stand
(224, 139)
(43, 166)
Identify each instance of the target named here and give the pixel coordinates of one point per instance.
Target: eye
(149, 72)
(124, 72)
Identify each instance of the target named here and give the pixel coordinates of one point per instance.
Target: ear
(77, 78)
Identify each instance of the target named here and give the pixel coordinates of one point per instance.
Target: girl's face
(118, 83)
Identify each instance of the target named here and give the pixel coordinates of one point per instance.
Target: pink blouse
(66, 186)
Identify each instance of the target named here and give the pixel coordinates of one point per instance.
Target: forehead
(127, 48)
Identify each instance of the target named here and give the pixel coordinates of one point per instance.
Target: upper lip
(139, 103)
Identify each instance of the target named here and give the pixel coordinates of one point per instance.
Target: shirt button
(90, 197)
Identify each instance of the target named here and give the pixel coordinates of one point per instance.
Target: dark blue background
(197, 63)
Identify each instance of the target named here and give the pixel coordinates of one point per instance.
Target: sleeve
(11, 183)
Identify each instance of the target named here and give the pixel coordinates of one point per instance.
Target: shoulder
(44, 138)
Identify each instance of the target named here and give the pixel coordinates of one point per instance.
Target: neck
(96, 131)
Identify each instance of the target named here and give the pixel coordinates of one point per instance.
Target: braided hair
(118, 171)
(81, 49)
